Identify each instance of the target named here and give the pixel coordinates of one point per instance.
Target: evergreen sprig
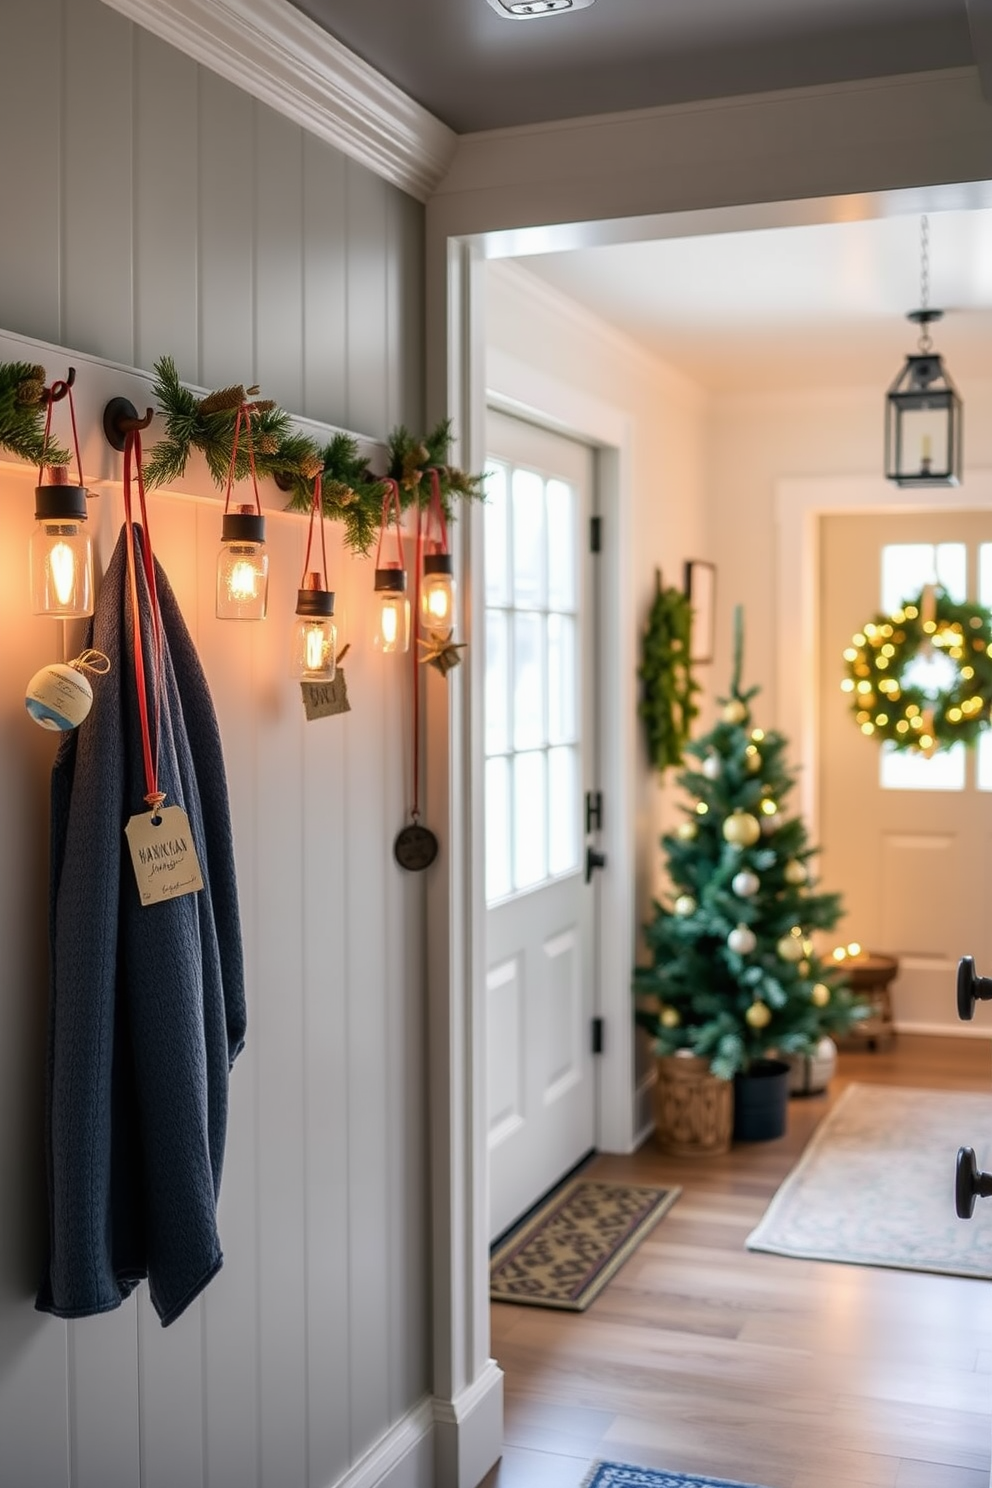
(698, 993)
(207, 424)
(22, 415)
(668, 688)
(410, 458)
(351, 494)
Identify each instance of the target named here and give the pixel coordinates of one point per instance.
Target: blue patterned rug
(616, 1475)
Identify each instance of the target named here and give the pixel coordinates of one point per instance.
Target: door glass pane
(497, 682)
(906, 567)
(562, 680)
(496, 516)
(901, 770)
(565, 810)
(562, 547)
(528, 539)
(528, 681)
(498, 880)
(530, 816)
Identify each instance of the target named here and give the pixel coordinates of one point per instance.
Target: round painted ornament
(742, 829)
(59, 696)
(742, 939)
(745, 884)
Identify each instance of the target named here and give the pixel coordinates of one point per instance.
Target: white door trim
(799, 504)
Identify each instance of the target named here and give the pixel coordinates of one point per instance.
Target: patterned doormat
(616, 1475)
(566, 1253)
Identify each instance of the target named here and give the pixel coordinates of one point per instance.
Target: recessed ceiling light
(529, 10)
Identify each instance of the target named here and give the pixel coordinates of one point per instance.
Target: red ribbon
(316, 510)
(390, 504)
(149, 744)
(243, 420)
(62, 388)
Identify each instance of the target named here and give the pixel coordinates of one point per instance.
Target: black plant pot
(761, 1101)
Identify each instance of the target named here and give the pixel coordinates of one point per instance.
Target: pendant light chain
(926, 344)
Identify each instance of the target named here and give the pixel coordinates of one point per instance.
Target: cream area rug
(875, 1185)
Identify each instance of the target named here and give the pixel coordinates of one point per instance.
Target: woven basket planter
(693, 1110)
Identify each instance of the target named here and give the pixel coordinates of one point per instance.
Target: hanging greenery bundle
(668, 687)
(352, 495)
(410, 459)
(207, 424)
(22, 415)
(921, 678)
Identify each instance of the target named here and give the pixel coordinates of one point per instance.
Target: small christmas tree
(735, 974)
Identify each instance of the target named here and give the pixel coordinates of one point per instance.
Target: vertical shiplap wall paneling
(171, 214)
(279, 257)
(226, 246)
(97, 182)
(29, 253)
(230, 1305)
(326, 872)
(33, 1399)
(324, 283)
(166, 216)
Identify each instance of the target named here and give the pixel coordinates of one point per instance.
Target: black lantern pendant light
(922, 407)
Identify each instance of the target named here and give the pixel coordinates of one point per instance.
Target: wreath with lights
(668, 687)
(890, 704)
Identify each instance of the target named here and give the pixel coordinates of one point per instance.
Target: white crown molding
(277, 54)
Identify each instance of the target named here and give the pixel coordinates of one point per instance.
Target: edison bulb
(437, 594)
(313, 656)
(242, 567)
(60, 552)
(392, 632)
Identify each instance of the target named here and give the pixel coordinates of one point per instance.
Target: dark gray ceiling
(476, 71)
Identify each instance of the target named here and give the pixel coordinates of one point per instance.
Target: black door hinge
(594, 811)
(597, 1035)
(595, 534)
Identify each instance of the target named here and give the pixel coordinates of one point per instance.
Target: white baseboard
(403, 1458)
(948, 1030)
(468, 1431)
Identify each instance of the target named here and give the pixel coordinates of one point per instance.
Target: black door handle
(971, 989)
(594, 860)
(969, 1183)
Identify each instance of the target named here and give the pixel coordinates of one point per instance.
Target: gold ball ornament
(734, 712)
(790, 948)
(820, 995)
(752, 759)
(795, 872)
(687, 831)
(804, 968)
(685, 905)
(670, 1018)
(742, 829)
(758, 1015)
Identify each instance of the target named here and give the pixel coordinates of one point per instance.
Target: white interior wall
(159, 210)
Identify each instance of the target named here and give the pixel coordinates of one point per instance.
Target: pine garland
(351, 494)
(22, 415)
(207, 424)
(668, 686)
(410, 459)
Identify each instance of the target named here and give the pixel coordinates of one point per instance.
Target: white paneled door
(907, 840)
(540, 801)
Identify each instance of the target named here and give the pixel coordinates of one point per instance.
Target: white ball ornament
(745, 884)
(685, 905)
(790, 948)
(58, 697)
(795, 872)
(742, 939)
(770, 822)
(712, 767)
(742, 829)
(734, 712)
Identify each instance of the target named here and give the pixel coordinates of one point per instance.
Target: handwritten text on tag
(323, 699)
(162, 851)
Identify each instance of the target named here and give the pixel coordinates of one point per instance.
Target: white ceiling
(809, 306)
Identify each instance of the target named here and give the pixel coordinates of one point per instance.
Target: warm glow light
(769, 807)
(839, 953)
(242, 581)
(854, 949)
(62, 565)
(389, 625)
(702, 808)
(315, 648)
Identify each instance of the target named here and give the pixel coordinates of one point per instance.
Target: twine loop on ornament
(94, 662)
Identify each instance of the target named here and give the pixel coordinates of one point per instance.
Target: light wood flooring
(702, 1356)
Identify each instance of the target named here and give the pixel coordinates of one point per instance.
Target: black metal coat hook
(120, 417)
(59, 387)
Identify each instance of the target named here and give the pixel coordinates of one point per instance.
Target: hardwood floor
(702, 1356)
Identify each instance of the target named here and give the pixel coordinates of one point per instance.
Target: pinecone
(223, 400)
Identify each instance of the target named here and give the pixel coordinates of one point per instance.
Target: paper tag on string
(323, 699)
(164, 858)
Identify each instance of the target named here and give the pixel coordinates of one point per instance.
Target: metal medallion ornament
(415, 847)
